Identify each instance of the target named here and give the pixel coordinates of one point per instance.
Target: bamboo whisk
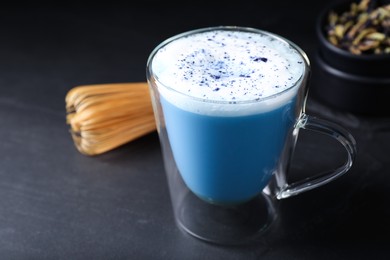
(105, 116)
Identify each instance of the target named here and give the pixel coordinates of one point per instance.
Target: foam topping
(228, 66)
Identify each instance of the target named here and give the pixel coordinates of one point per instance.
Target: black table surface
(56, 203)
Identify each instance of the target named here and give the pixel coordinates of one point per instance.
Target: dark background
(56, 203)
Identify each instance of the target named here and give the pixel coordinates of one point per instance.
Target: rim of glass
(151, 75)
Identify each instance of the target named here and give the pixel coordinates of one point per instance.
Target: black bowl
(355, 83)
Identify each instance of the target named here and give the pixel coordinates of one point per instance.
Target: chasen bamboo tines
(105, 116)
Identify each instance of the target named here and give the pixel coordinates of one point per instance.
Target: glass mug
(229, 103)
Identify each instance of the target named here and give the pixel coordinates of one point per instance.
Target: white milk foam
(223, 69)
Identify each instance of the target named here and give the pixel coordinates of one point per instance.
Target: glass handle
(335, 131)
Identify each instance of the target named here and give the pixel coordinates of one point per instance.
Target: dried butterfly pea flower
(364, 28)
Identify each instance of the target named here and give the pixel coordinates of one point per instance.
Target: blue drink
(228, 101)
(229, 104)
(227, 159)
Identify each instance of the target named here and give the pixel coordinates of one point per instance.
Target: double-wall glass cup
(229, 103)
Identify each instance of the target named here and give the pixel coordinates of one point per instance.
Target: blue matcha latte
(228, 99)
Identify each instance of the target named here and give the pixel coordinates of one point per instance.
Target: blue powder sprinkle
(260, 59)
